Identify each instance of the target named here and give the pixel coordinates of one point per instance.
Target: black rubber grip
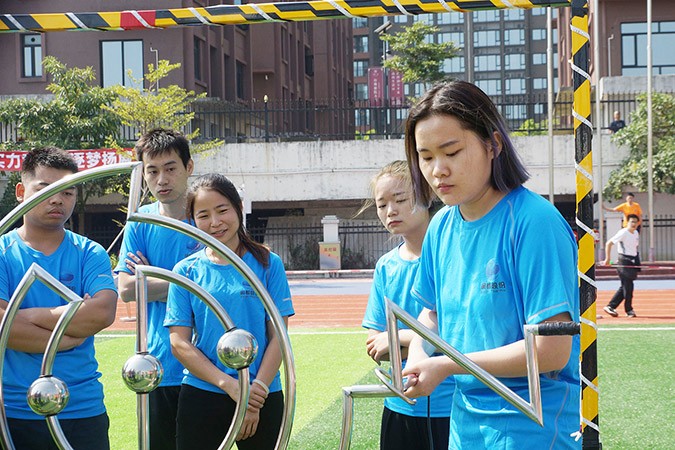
(558, 328)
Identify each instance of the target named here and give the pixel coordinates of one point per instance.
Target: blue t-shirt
(84, 267)
(393, 279)
(238, 298)
(487, 278)
(163, 247)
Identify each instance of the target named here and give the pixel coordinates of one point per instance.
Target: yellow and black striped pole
(250, 13)
(586, 235)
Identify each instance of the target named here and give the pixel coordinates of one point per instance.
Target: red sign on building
(395, 88)
(86, 159)
(375, 85)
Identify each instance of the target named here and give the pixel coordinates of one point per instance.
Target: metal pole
(598, 124)
(650, 140)
(609, 55)
(549, 83)
(267, 120)
(584, 224)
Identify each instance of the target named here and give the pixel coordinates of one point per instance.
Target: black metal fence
(664, 238)
(362, 245)
(298, 247)
(350, 119)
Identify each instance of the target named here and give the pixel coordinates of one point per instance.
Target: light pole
(382, 30)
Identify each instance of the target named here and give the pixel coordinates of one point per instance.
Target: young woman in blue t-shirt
(426, 424)
(208, 396)
(495, 258)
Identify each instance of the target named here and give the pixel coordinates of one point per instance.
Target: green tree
(633, 170)
(73, 118)
(417, 60)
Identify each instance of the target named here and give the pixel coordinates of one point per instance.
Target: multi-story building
(233, 65)
(238, 67)
(502, 51)
(623, 39)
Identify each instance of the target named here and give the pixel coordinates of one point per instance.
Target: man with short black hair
(627, 241)
(167, 166)
(84, 267)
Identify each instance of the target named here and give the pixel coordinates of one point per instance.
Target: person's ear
(190, 167)
(495, 145)
(19, 191)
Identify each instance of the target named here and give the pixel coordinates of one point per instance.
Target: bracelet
(262, 385)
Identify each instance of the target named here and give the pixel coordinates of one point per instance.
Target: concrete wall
(341, 170)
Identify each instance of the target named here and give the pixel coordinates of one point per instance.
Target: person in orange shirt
(627, 208)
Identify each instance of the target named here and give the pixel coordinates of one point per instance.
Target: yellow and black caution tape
(249, 13)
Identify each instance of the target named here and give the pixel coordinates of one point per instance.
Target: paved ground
(342, 302)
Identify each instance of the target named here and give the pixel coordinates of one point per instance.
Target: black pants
(163, 403)
(82, 434)
(625, 292)
(401, 432)
(204, 418)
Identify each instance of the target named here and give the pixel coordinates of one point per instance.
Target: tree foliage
(419, 61)
(153, 106)
(634, 169)
(74, 118)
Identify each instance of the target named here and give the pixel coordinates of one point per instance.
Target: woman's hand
(424, 376)
(250, 425)
(377, 346)
(257, 396)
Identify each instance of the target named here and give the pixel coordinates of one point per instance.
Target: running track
(655, 306)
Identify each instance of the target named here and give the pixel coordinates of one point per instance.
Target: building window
(486, 63)
(538, 58)
(360, 68)
(450, 18)
(486, 38)
(515, 111)
(240, 80)
(514, 61)
(360, 44)
(514, 37)
(361, 91)
(362, 117)
(634, 43)
(456, 38)
(31, 46)
(426, 18)
(118, 58)
(486, 16)
(539, 34)
(539, 83)
(490, 87)
(515, 86)
(401, 18)
(513, 14)
(453, 65)
(198, 49)
(360, 22)
(309, 62)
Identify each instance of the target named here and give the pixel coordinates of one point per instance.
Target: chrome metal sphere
(47, 396)
(237, 348)
(142, 373)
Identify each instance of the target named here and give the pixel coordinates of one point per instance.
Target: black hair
(632, 216)
(475, 112)
(160, 141)
(222, 185)
(50, 157)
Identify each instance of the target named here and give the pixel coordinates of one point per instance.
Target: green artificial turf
(637, 389)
